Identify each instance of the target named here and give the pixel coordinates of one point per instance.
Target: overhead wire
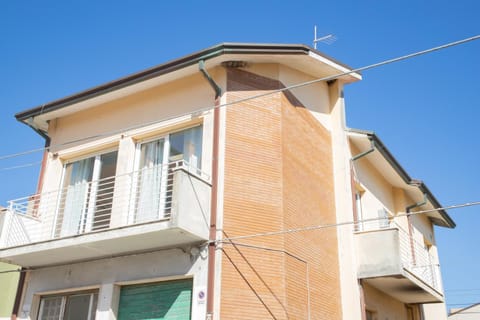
(338, 224)
(316, 227)
(261, 95)
(31, 164)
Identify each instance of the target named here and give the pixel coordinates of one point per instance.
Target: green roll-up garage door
(161, 300)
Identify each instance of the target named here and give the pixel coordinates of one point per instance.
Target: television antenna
(328, 39)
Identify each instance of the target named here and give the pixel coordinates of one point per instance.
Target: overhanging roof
(297, 56)
(390, 167)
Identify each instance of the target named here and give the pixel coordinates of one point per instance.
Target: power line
(333, 225)
(22, 153)
(261, 95)
(21, 166)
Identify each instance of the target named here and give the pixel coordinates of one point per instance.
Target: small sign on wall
(201, 295)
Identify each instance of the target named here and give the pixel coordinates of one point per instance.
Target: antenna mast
(328, 39)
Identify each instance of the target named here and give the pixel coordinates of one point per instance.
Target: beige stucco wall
(378, 192)
(350, 294)
(438, 311)
(108, 275)
(383, 305)
(119, 124)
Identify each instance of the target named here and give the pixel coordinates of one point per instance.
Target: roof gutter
(418, 204)
(213, 84)
(119, 84)
(171, 66)
(364, 153)
(377, 144)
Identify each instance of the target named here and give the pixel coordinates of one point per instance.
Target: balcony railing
(113, 202)
(417, 259)
(412, 256)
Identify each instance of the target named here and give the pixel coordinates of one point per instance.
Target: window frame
(64, 302)
(96, 155)
(165, 135)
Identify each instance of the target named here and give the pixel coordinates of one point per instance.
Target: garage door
(161, 300)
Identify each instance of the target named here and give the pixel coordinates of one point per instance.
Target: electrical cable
(332, 225)
(21, 166)
(261, 95)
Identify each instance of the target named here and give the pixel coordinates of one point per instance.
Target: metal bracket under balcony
(159, 207)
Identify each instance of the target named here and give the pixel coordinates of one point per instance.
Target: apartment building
(397, 257)
(173, 194)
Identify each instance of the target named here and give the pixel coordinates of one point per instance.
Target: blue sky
(426, 109)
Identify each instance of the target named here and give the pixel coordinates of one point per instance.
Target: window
(86, 197)
(370, 315)
(187, 145)
(383, 221)
(77, 306)
(358, 210)
(155, 162)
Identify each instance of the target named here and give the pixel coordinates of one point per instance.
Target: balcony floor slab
(100, 244)
(406, 287)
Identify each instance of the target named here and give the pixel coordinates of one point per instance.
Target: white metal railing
(417, 259)
(415, 256)
(133, 198)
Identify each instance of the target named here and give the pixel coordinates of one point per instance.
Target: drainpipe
(418, 204)
(19, 294)
(410, 227)
(214, 195)
(354, 196)
(215, 86)
(360, 155)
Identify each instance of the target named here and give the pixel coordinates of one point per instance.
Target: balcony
(159, 207)
(391, 261)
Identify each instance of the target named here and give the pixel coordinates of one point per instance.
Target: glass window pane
(188, 145)
(93, 311)
(151, 154)
(78, 176)
(50, 308)
(149, 183)
(106, 183)
(77, 307)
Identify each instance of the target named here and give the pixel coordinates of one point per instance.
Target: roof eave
(380, 146)
(171, 66)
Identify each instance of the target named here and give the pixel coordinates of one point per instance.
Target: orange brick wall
(278, 175)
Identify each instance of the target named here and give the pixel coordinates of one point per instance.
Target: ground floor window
(160, 300)
(75, 306)
(371, 315)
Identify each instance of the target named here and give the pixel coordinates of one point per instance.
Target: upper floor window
(87, 193)
(155, 162)
(187, 145)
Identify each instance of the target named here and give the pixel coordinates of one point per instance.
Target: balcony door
(151, 180)
(86, 198)
(156, 160)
